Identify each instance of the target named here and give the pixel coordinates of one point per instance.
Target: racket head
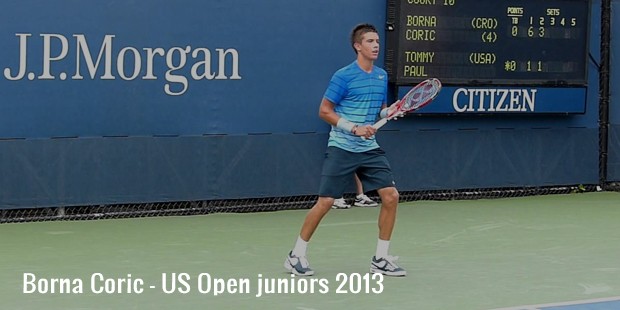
(420, 95)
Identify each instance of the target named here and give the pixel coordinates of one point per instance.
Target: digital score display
(488, 42)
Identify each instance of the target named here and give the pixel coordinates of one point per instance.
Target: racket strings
(420, 96)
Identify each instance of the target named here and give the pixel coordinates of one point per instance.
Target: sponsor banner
(509, 100)
(77, 68)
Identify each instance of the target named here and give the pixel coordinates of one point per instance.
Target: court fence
(187, 208)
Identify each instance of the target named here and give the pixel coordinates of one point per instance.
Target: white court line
(349, 223)
(559, 304)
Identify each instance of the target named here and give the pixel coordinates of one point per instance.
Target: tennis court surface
(554, 252)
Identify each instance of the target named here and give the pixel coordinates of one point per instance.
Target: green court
(465, 254)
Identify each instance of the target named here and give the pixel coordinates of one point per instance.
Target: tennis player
(356, 94)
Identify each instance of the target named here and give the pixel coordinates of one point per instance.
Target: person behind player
(361, 200)
(356, 94)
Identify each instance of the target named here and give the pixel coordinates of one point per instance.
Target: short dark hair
(359, 31)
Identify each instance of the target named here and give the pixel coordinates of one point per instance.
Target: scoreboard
(488, 42)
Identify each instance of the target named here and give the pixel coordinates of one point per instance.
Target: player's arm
(327, 113)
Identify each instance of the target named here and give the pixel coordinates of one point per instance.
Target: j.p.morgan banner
(158, 67)
(508, 100)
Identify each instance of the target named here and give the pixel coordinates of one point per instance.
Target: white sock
(382, 248)
(300, 247)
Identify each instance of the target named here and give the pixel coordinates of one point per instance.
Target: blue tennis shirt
(357, 96)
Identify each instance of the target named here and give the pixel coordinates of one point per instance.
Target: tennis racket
(418, 97)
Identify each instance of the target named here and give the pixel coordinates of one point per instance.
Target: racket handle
(380, 123)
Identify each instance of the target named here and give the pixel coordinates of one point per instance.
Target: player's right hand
(365, 131)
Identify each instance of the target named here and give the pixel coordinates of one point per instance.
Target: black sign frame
(474, 42)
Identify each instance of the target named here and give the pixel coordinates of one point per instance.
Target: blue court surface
(612, 303)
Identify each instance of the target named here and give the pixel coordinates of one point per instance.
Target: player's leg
(382, 262)
(335, 177)
(297, 262)
(314, 217)
(387, 215)
(375, 173)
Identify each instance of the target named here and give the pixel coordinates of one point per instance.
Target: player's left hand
(398, 115)
(393, 107)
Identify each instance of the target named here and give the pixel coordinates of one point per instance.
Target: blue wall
(249, 133)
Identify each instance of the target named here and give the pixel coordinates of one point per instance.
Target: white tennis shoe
(340, 203)
(363, 201)
(387, 266)
(298, 265)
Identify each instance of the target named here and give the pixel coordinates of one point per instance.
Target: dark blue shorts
(372, 167)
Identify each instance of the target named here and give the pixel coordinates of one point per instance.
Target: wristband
(345, 125)
(384, 113)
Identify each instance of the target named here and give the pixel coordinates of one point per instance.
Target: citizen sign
(494, 100)
(109, 63)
